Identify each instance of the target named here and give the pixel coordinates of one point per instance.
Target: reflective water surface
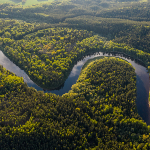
(141, 74)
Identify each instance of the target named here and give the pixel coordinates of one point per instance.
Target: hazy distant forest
(46, 40)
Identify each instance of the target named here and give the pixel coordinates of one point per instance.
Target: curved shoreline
(141, 73)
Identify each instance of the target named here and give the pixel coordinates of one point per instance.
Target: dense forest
(99, 112)
(46, 40)
(48, 55)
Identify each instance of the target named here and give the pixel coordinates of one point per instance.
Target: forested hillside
(48, 55)
(92, 115)
(46, 40)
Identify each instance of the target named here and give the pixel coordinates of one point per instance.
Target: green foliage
(133, 33)
(47, 52)
(113, 18)
(47, 55)
(137, 12)
(9, 80)
(95, 114)
(100, 111)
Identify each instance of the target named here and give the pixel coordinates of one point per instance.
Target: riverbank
(141, 73)
(96, 108)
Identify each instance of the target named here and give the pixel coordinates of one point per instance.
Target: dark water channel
(141, 74)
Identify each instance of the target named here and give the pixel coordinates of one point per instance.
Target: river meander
(141, 74)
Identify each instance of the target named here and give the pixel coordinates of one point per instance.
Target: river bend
(141, 74)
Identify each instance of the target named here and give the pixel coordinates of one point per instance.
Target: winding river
(141, 74)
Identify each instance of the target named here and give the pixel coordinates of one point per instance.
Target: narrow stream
(141, 74)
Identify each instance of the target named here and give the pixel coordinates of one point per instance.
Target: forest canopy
(91, 115)
(48, 55)
(46, 40)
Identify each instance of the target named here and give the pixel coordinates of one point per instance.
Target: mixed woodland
(99, 112)
(46, 41)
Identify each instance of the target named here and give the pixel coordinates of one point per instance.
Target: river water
(141, 74)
